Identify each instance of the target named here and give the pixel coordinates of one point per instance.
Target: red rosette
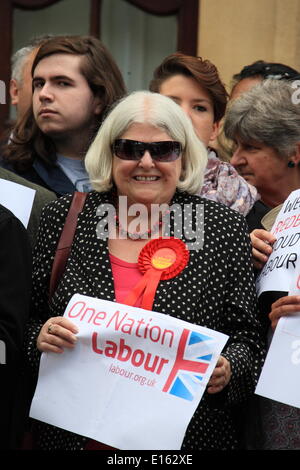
(160, 259)
(181, 256)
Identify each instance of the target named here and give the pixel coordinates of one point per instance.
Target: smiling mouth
(146, 178)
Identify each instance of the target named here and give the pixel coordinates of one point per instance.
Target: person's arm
(51, 224)
(245, 348)
(15, 287)
(15, 284)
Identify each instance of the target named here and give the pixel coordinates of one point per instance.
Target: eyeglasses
(165, 151)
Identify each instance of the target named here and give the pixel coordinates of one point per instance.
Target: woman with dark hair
(75, 81)
(195, 85)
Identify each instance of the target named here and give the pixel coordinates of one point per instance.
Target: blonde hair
(161, 112)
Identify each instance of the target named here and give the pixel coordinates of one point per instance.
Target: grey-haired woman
(264, 123)
(265, 126)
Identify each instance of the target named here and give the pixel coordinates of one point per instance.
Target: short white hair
(161, 112)
(18, 61)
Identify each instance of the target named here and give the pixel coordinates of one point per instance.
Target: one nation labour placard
(133, 380)
(279, 271)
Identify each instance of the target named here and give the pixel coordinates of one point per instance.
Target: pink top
(126, 276)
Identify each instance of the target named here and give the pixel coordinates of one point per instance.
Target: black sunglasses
(165, 151)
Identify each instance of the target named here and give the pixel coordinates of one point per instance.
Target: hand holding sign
(280, 269)
(220, 376)
(262, 242)
(285, 306)
(280, 274)
(56, 334)
(129, 365)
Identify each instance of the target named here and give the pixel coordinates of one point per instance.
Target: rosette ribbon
(160, 259)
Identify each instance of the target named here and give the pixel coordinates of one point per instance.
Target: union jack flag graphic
(192, 360)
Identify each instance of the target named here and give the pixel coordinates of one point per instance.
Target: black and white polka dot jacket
(215, 290)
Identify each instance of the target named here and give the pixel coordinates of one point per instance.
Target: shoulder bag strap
(66, 240)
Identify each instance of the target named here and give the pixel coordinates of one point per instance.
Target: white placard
(18, 199)
(279, 271)
(134, 379)
(280, 376)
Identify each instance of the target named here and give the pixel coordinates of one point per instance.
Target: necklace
(153, 230)
(138, 235)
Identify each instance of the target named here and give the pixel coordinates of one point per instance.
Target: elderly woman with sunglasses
(148, 152)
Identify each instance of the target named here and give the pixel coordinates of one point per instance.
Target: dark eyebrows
(37, 79)
(55, 78)
(196, 100)
(62, 77)
(202, 101)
